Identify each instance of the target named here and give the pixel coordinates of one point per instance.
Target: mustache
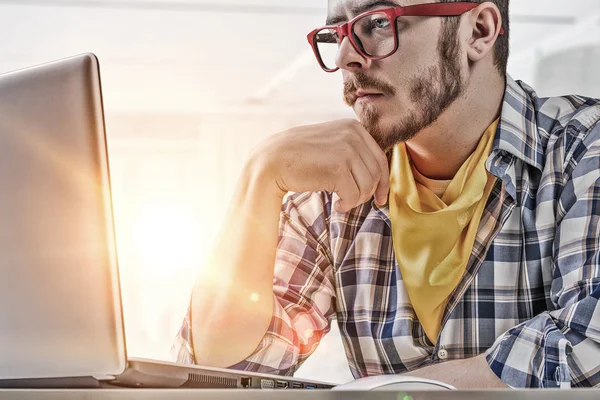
(363, 81)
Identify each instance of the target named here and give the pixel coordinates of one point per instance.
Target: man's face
(415, 85)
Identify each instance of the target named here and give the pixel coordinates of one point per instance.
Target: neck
(441, 149)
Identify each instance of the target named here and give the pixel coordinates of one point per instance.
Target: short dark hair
(501, 49)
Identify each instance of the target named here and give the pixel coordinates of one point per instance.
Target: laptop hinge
(104, 377)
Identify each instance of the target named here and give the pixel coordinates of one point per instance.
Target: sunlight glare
(167, 238)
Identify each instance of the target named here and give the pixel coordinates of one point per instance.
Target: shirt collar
(517, 136)
(517, 133)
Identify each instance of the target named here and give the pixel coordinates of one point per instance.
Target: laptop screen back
(60, 309)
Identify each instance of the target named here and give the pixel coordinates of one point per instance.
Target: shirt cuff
(532, 355)
(277, 352)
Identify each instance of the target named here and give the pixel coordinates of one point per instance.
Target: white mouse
(394, 383)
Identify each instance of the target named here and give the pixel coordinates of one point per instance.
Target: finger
(383, 186)
(372, 165)
(368, 158)
(363, 181)
(348, 191)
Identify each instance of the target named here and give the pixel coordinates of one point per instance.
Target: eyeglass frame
(393, 13)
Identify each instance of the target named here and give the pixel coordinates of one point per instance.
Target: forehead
(336, 9)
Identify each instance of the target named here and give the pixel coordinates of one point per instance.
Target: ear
(485, 23)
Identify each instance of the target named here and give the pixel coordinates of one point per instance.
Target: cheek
(418, 45)
(409, 63)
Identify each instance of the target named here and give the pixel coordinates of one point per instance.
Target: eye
(380, 23)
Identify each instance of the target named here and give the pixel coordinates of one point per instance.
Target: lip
(367, 93)
(367, 97)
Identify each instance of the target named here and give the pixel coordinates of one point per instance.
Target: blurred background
(191, 85)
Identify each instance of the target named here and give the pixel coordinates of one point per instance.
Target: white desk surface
(202, 394)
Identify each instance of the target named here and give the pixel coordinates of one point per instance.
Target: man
(453, 233)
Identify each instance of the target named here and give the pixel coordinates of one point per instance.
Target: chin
(388, 130)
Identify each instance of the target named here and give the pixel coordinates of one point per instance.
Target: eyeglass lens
(373, 34)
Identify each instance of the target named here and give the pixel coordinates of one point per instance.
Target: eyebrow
(361, 8)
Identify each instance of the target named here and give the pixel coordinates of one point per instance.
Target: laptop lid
(60, 306)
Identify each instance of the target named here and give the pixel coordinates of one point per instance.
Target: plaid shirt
(529, 297)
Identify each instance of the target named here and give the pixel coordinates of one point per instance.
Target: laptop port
(310, 387)
(246, 382)
(297, 385)
(267, 384)
(281, 385)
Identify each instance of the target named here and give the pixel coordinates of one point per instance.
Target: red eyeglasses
(374, 34)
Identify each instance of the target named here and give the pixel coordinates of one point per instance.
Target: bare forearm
(232, 300)
(472, 373)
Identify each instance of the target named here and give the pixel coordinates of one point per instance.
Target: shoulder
(568, 126)
(565, 116)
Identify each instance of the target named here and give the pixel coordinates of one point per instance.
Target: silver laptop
(61, 319)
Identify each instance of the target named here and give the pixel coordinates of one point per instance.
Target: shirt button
(442, 354)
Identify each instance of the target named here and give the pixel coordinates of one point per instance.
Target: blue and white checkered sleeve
(304, 295)
(561, 348)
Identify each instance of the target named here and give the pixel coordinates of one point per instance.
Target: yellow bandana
(433, 237)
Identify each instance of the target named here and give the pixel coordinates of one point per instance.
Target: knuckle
(346, 152)
(356, 124)
(355, 141)
(352, 126)
(350, 121)
(347, 135)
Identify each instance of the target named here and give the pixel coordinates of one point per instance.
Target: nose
(348, 58)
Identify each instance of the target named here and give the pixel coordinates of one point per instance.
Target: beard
(432, 92)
